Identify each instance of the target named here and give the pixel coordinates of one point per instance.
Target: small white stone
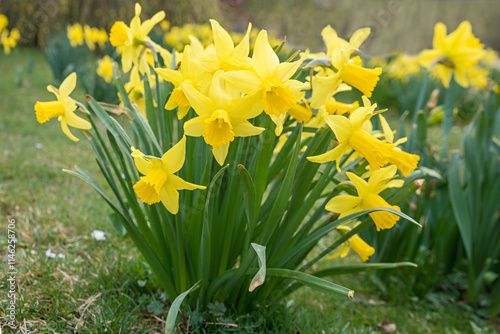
(39, 146)
(48, 253)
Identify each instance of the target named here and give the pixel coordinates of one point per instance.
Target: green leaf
(312, 282)
(174, 309)
(261, 274)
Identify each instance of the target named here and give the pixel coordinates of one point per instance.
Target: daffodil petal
(68, 85)
(343, 203)
(220, 153)
(245, 129)
(66, 131)
(170, 198)
(201, 104)
(76, 122)
(195, 127)
(246, 81)
(265, 59)
(223, 43)
(173, 159)
(180, 184)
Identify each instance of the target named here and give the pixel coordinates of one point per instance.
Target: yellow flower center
(119, 34)
(361, 247)
(218, 129)
(48, 110)
(364, 79)
(277, 99)
(376, 152)
(148, 188)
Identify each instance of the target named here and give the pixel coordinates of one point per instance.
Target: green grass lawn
(105, 286)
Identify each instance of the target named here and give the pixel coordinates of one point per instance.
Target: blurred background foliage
(393, 22)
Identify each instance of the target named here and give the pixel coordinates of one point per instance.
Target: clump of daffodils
(221, 93)
(8, 39)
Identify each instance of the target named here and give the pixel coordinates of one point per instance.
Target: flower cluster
(8, 39)
(228, 89)
(91, 36)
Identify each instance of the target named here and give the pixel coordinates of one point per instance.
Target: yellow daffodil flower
(270, 79)
(190, 72)
(368, 197)
(453, 53)
(63, 108)
(221, 117)
(405, 162)
(351, 135)
(75, 35)
(227, 57)
(348, 70)
(159, 182)
(355, 243)
(105, 68)
(129, 40)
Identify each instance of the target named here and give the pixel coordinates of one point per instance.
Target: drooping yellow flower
(355, 243)
(270, 79)
(227, 57)
(369, 198)
(404, 161)
(129, 40)
(63, 108)
(453, 53)
(189, 72)
(221, 117)
(75, 35)
(351, 135)
(159, 182)
(105, 68)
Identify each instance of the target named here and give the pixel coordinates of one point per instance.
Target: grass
(105, 286)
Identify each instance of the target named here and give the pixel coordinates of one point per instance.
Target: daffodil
(63, 108)
(346, 69)
(221, 117)
(351, 135)
(190, 72)
(75, 35)
(130, 40)
(105, 68)
(270, 79)
(453, 53)
(227, 57)
(368, 197)
(404, 161)
(159, 182)
(355, 243)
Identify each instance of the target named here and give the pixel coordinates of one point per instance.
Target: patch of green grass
(105, 286)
